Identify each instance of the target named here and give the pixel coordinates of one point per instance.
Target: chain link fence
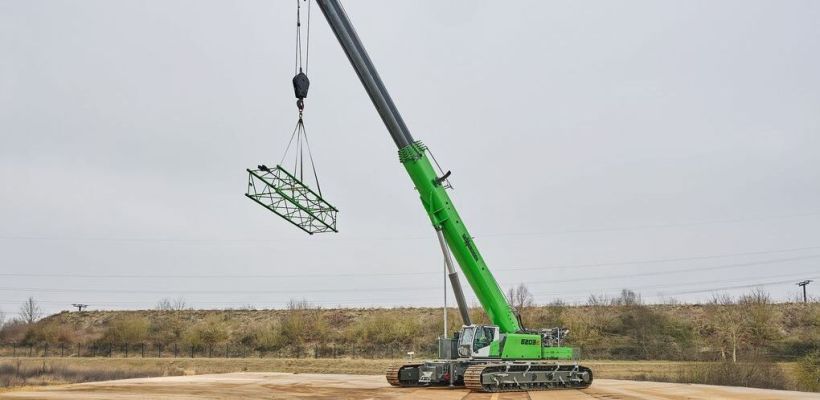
(220, 350)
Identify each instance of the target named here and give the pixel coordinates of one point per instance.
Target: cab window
(483, 337)
(467, 338)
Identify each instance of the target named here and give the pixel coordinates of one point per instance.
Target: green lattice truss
(285, 195)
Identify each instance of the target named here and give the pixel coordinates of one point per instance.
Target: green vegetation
(760, 374)
(749, 328)
(747, 334)
(808, 372)
(18, 372)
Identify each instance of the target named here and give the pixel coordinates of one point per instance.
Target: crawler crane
(503, 356)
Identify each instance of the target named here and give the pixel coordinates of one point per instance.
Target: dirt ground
(260, 385)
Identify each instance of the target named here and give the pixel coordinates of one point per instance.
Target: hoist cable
(289, 143)
(298, 56)
(301, 152)
(299, 132)
(307, 44)
(312, 164)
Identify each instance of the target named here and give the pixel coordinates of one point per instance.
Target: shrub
(261, 336)
(302, 323)
(758, 374)
(808, 372)
(209, 332)
(127, 329)
(382, 329)
(48, 332)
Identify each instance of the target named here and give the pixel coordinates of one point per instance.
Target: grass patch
(761, 374)
(32, 372)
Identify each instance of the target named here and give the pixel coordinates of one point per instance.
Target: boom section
(444, 216)
(413, 155)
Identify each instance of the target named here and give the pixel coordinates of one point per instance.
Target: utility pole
(804, 284)
(80, 306)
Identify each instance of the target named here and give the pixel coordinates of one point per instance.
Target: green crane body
(443, 216)
(498, 357)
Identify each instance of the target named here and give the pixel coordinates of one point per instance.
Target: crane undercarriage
(491, 375)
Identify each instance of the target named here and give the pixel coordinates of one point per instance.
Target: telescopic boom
(412, 155)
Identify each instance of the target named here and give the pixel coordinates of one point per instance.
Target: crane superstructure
(498, 357)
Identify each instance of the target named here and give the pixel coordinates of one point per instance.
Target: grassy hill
(775, 345)
(625, 331)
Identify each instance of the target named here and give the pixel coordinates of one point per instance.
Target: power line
(370, 274)
(419, 237)
(279, 291)
(658, 226)
(677, 271)
(392, 301)
(717, 289)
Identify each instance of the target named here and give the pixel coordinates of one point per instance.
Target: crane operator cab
(477, 341)
(485, 341)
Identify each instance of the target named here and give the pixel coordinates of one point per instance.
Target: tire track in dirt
(280, 386)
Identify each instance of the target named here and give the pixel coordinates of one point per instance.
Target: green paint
(495, 348)
(557, 353)
(521, 346)
(443, 215)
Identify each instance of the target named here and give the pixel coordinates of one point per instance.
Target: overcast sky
(668, 147)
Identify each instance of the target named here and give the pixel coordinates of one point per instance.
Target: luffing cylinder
(443, 215)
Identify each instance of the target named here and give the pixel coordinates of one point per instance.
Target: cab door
(483, 338)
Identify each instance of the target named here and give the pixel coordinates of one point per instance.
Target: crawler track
(393, 377)
(516, 378)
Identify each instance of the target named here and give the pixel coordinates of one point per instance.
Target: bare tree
(760, 317)
(520, 297)
(30, 311)
(180, 304)
(598, 301)
(628, 298)
(168, 304)
(729, 323)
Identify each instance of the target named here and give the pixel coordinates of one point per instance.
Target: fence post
(126, 349)
(192, 351)
(30, 349)
(45, 350)
(78, 349)
(175, 350)
(110, 349)
(14, 349)
(142, 349)
(227, 354)
(159, 349)
(62, 350)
